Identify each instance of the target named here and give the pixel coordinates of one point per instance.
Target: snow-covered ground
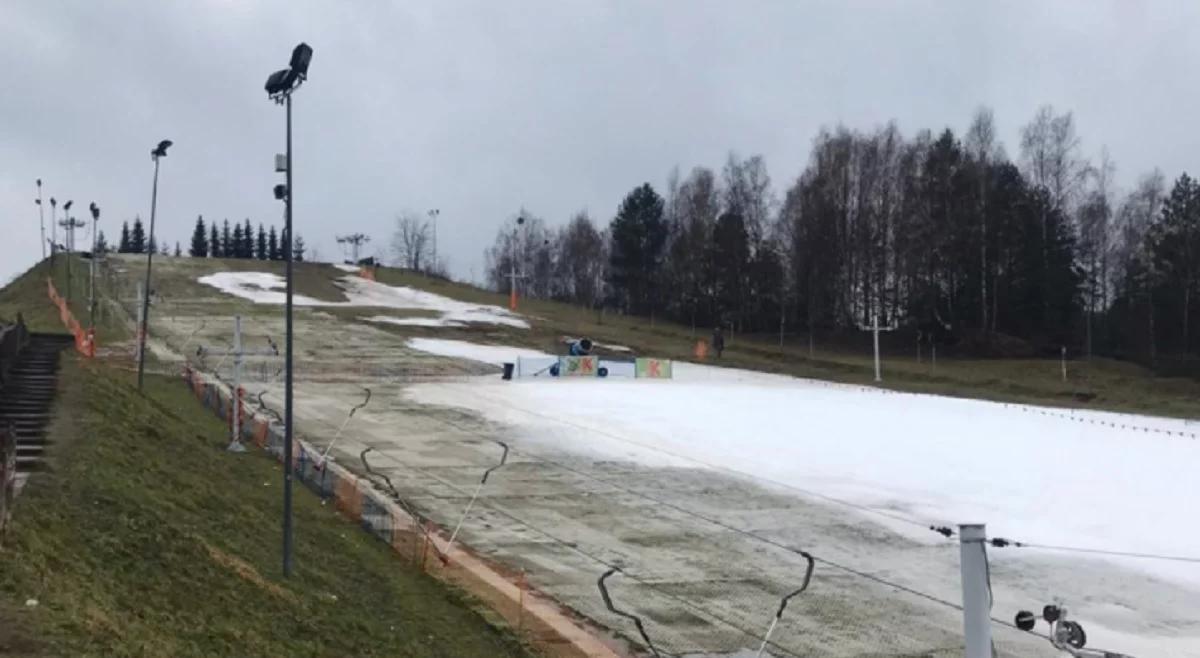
(1040, 479)
(267, 288)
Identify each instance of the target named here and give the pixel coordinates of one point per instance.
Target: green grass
(147, 538)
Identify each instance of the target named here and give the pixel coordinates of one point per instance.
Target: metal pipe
(146, 289)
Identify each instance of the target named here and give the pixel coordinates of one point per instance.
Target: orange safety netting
(85, 340)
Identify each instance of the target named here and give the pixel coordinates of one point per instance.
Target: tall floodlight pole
(433, 214)
(53, 231)
(41, 217)
(280, 86)
(157, 154)
(64, 222)
(92, 287)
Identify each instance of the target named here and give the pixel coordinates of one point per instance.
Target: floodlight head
(278, 82)
(53, 202)
(521, 219)
(161, 150)
(95, 210)
(301, 56)
(67, 205)
(281, 192)
(39, 182)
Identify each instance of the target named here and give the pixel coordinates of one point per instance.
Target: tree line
(938, 234)
(242, 242)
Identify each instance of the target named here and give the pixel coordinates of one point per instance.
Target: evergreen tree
(214, 242)
(101, 243)
(137, 237)
(298, 249)
(123, 245)
(247, 240)
(273, 252)
(178, 251)
(260, 246)
(227, 242)
(199, 248)
(238, 245)
(638, 235)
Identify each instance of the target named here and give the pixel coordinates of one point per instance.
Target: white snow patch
(1030, 477)
(414, 322)
(346, 267)
(258, 287)
(266, 288)
(461, 349)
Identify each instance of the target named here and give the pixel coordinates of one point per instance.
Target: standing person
(718, 341)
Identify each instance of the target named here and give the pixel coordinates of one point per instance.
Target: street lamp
(280, 86)
(92, 288)
(156, 154)
(53, 231)
(41, 217)
(433, 214)
(66, 218)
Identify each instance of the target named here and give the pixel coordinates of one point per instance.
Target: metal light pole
(41, 217)
(280, 86)
(92, 288)
(433, 214)
(158, 153)
(53, 232)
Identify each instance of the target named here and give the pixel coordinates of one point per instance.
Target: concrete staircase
(26, 399)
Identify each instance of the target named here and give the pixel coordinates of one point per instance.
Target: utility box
(280, 162)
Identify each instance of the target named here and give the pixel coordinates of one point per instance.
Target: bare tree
(410, 242)
(983, 150)
(1095, 214)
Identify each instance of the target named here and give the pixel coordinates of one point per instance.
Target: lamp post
(433, 214)
(92, 286)
(53, 232)
(158, 153)
(41, 216)
(280, 86)
(65, 222)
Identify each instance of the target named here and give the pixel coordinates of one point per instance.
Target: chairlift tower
(351, 244)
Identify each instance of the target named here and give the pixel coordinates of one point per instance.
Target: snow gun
(581, 347)
(1064, 635)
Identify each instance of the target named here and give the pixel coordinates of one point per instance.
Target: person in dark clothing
(718, 342)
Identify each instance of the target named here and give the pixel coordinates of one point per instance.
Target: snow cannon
(581, 347)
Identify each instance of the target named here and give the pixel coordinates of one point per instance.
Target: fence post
(977, 604)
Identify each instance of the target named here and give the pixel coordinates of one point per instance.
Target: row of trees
(134, 241)
(241, 242)
(936, 232)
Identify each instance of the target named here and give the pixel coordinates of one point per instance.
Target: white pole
(977, 598)
(875, 328)
(1064, 363)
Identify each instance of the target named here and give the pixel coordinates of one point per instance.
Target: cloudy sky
(480, 108)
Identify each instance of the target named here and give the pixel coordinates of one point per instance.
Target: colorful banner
(577, 366)
(654, 368)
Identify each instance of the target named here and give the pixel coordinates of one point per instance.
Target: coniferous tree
(123, 245)
(137, 237)
(239, 246)
(260, 246)
(227, 244)
(101, 244)
(273, 252)
(178, 251)
(199, 248)
(638, 235)
(298, 249)
(247, 240)
(214, 242)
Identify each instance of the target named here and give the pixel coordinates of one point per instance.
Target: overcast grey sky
(480, 108)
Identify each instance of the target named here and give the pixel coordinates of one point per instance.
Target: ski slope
(1031, 478)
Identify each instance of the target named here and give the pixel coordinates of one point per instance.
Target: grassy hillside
(147, 538)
